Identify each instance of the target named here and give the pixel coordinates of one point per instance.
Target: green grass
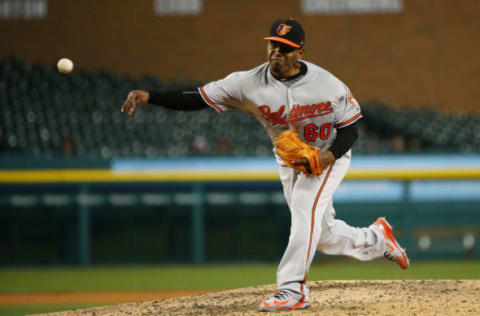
(229, 276)
(226, 276)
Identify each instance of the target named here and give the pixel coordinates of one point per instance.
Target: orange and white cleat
(283, 300)
(393, 251)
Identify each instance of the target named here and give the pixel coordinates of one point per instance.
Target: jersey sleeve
(223, 93)
(347, 111)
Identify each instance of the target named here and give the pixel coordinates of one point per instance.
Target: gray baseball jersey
(314, 106)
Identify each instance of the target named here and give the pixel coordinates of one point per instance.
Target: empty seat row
(46, 113)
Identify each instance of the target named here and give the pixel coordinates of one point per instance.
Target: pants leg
(313, 226)
(339, 238)
(307, 198)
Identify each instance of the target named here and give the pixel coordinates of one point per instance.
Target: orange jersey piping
(209, 102)
(353, 119)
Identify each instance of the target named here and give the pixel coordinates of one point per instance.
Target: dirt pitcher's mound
(328, 298)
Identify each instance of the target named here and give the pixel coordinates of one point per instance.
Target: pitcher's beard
(276, 67)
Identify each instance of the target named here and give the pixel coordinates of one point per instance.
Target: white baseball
(65, 65)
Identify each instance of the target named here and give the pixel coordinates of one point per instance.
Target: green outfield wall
(104, 216)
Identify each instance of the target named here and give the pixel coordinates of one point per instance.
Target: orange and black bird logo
(283, 29)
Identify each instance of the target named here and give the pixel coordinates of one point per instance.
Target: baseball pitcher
(310, 116)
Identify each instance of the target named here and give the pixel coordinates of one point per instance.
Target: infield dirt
(328, 298)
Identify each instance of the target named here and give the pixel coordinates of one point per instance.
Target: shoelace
(281, 295)
(389, 256)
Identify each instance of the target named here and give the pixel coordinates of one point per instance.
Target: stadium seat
(46, 114)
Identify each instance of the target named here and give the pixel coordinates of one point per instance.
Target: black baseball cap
(287, 31)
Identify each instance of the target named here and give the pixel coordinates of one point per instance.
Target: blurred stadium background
(83, 184)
